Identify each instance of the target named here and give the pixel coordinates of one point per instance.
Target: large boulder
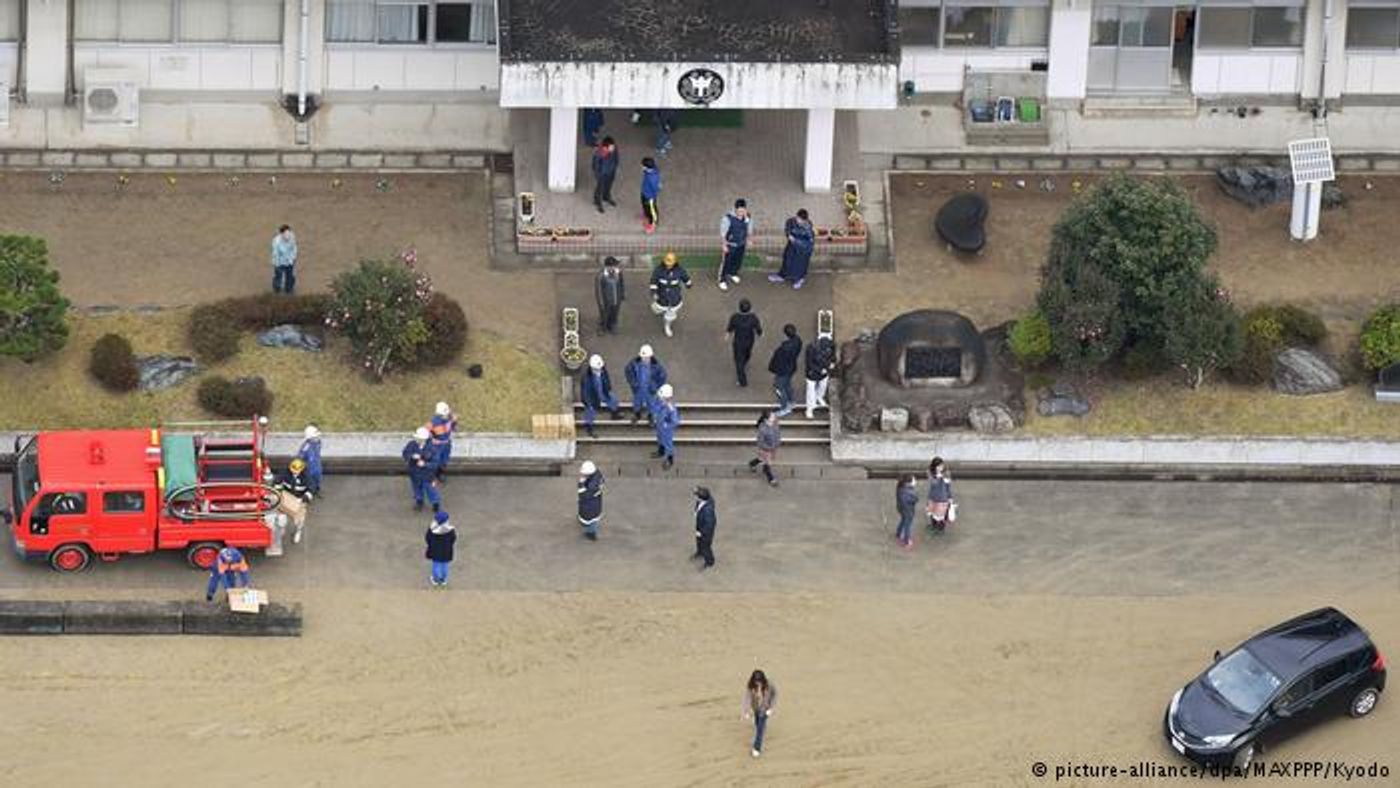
(1256, 186)
(1302, 372)
(991, 417)
(162, 371)
(960, 222)
(291, 336)
(1061, 399)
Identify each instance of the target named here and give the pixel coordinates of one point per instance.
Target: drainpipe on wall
(21, 92)
(302, 46)
(1320, 109)
(71, 94)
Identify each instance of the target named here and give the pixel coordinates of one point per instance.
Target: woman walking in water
(940, 495)
(759, 699)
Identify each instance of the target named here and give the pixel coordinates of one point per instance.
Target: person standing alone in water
(760, 697)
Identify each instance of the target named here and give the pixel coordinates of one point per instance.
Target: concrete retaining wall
(227, 161)
(138, 617)
(1154, 162)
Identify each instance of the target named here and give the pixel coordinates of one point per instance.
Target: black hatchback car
(1273, 685)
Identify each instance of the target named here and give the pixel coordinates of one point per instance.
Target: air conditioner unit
(111, 97)
(4, 104)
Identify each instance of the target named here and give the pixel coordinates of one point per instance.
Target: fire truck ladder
(222, 477)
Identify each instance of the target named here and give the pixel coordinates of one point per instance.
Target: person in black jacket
(441, 537)
(605, 161)
(783, 365)
(595, 391)
(704, 527)
(295, 486)
(743, 330)
(821, 361)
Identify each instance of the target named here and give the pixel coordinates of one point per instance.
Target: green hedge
(113, 363)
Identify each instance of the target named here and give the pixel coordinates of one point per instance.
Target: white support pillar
(563, 148)
(46, 52)
(1069, 52)
(821, 144)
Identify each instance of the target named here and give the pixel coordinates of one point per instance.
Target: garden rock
(290, 336)
(1061, 399)
(1388, 384)
(994, 418)
(162, 372)
(1256, 186)
(1302, 372)
(894, 419)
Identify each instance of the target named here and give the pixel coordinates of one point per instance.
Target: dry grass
(1162, 407)
(323, 388)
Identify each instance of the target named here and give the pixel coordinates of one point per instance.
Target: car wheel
(1244, 756)
(1364, 702)
(202, 555)
(70, 558)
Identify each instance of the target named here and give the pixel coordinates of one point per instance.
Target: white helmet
(442, 409)
(421, 434)
(595, 361)
(311, 432)
(645, 351)
(587, 468)
(665, 391)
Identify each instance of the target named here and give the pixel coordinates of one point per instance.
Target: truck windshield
(26, 478)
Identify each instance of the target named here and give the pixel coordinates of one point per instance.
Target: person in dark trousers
(665, 120)
(906, 500)
(592, 126)
(783, 365)
(760, 696)
(651, 190)
(590, 499)
(734, 239)
(229, 569)
(797, 255)
(605, 161)
(284, 260)
(645, 376)
(668, 418)
(770, 436)
(310, 453)
(441, 427)
(441, 537)
(667, 297)
(294, 484)
(820, 362)
(421, 459)
(610, 290)
(743, 330)
(940, 495)
(704, 528)
(595, 391)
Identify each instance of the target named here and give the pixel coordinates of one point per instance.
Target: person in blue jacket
(595, 391)
(421, 459)
(645, 376)
(668, 417)
(590, 499)
(797, 255)
(651, 190)
(592, 126)
(605, 161)
(230, 569)
(440, 428)
(310, 453)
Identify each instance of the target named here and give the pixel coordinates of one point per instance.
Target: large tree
(31, 308)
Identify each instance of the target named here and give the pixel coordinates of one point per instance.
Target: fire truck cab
(80, 494)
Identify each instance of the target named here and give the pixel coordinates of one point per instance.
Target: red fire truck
(80, 494)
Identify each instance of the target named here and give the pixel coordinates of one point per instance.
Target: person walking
(595, 390)
(783, 365)
(421, 459)
(605, 161)
(770, 436)
(645, 376)
(651, 190)
(940, 495)
(705, 522)
(734, 239)
(667, 297)
(592, 126)
(760, 696)
(230, 569)
(590, 499)
(743, 330)
(610, 290)
(310, 453)
(441, 539)
(665, 120)
(296, 495)
(441, 427)
(668, 418)
(906, 499)
(284, 260)
(797, 255)
(820, 362)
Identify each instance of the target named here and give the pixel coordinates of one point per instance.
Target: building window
(918, 22)
(1373, 28)
(9, 20)
(410, 21)
(1026, 27)
(1105, 26)
(178, 21)
(1131, 26)
(1242, 28)
(968, 26)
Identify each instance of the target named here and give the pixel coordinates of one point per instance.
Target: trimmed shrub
(1081, 305)
(32, 310)
(379, 307)
(235, 399)
(214, 333)
(447, 331)
(113, 363)
(1029, 340)
(265, 310)
(1143, 361)
(1210, 340)
(1300, 327)
(1380, 338)
(1269, 329)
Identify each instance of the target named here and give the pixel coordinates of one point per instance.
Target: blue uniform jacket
(667, 419)
(645, 378)
(412, 452)
(588, 392)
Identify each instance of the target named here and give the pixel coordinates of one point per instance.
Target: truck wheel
(202, 555)
(70, 558)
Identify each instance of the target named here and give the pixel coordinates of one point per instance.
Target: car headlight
(1218, 741)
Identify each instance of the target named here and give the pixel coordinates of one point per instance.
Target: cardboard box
(246, 600)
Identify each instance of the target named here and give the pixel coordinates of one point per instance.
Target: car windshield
(26, 478)
(1243, 681)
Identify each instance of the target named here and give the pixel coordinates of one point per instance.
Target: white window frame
(1357, 5)
(996, 6)
(1249, 46)
(176, 41)
(431, 41)
(14, 20)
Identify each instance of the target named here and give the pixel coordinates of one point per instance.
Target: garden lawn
(58, 392)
